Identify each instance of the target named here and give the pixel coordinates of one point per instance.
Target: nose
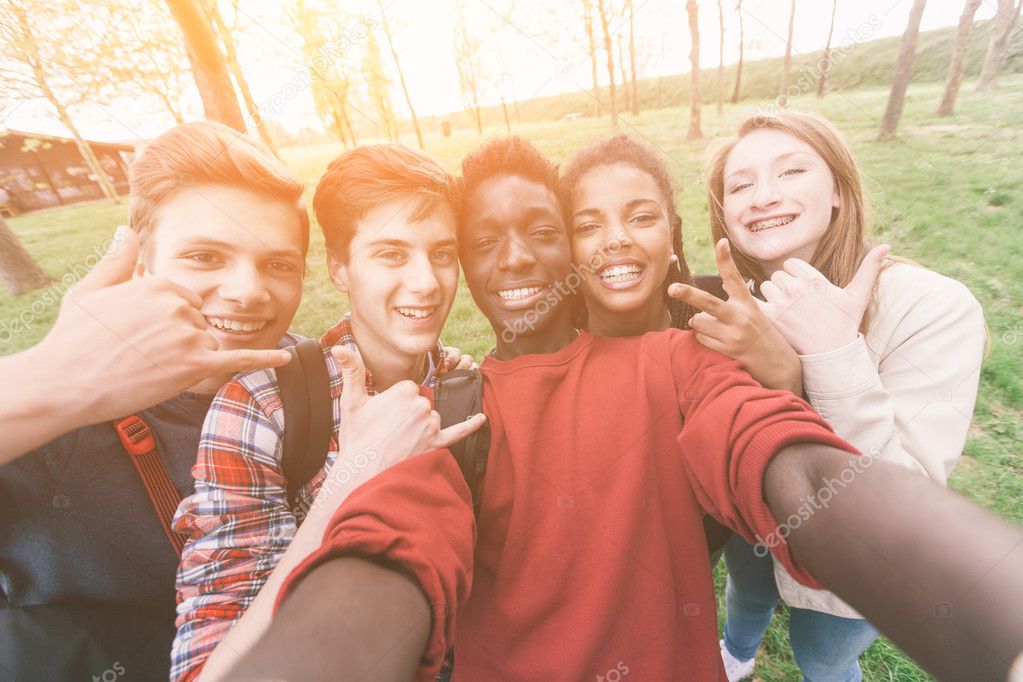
(515, 257)
(246, 286)
(766, 194)
(618, 239)
(420, 277)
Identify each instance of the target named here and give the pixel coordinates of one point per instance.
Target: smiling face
(621, 240)
(779, 195)
(400, 276)
(238, 250)
(515, 253)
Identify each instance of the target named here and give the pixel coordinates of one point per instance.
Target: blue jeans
(825, 647)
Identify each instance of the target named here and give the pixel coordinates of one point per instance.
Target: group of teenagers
(631, 416)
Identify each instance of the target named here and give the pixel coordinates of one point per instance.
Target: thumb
(117, 264)
(863, 281)
(353, 374)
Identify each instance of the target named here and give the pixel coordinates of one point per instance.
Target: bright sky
(526, 51)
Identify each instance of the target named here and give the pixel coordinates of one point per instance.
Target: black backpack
(308, 418)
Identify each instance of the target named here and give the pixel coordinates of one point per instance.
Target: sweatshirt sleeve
(416, 515)
(913, 407)
(732, 427)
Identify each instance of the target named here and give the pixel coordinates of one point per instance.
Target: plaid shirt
(238, 521)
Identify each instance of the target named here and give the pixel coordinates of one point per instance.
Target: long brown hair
(845, 243)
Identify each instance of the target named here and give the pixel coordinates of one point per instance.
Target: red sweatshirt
(591, 560)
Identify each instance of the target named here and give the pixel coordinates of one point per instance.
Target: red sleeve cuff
(416, 515)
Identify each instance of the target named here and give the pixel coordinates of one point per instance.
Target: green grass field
(948, 193)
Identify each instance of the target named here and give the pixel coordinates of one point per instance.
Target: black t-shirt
(86, 571)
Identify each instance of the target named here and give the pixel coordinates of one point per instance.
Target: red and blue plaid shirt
(238, 521)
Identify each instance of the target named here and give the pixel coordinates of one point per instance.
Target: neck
(557, 333)
(653, 317)
(389, 368)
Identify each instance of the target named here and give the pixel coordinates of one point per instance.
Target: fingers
(353, 375)
(731, 279)
(465, 363)
(456, 432)
(770, 291)
(116, 265)
(783, 280)
(708, 325)
(245, 360)
(863, 281)
(701, 300)
(452, 357)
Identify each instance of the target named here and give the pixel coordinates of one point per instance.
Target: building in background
(38, 171)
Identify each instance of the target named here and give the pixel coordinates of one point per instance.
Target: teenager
(892, 361)
(86, 567)
(585, 561)
(387, 217)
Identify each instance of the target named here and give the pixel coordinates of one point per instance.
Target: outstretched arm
(350, 619)
(939, 575)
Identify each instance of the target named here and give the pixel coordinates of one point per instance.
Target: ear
(836, 201)
(338, 270)
(141, 270)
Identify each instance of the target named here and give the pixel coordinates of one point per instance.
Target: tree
(998, 45)
(694, 132)
(18, 271)
(605, 27)
(470, 71)
(588, 22)
(209, 68)
(903, 71)
(36, 68)
(786, 69)
(323, 54)
(632, 55)
(379, 87)
(721, 60)
(231, 56)
(957, 65)
(401, 74)
(738, 68)
(822, 81)
(626, 101)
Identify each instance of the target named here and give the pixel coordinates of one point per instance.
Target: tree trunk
(998, 45)
(507, 121)
(632, 59)
(626, 102)
(588, 10)
(239, 76)
(822, 82)
(605, 27)
(721, 59)
(401, 77)
(786, 69)
(957, 65)
(209, 69)
(738, 68)
(695, 132)
(18, 271)
(903, 71)
(84, 149)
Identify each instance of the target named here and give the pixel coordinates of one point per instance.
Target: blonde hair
(207, 152)
(841, 250)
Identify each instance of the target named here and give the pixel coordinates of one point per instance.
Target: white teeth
(235, 325)
(516, 294)
(768, 224)
(418, 313)
(620, 273)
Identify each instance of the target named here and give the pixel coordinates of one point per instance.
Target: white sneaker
(734, 668)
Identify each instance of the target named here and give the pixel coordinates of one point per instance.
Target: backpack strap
(140, 445)
(308, 414)
(459, 395)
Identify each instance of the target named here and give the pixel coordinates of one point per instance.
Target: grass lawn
(948, 193)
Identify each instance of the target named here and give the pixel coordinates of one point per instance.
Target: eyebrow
(402, 244)
(226, 246)
(780, 157)
(629, 206)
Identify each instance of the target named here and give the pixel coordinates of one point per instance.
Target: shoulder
(903, 285)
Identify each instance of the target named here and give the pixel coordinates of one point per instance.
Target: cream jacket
(904, 393)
